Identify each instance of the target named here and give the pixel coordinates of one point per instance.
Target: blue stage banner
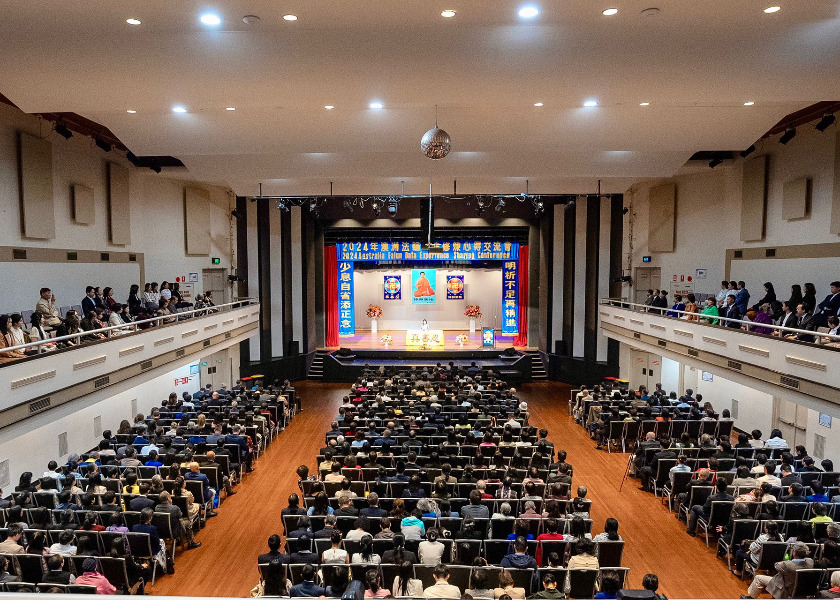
(454, 287)
(510, 297)
(346, 312)
(451, 250)
(424, 286)
(393, 287)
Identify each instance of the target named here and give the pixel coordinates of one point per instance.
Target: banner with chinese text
(346, 312)
(510, 297)
(454, 287)
(393, 287)
(451, 250)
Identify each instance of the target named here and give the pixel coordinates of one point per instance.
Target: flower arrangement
(462, 338)
(374, 311)
(386, 339)
(473, 311)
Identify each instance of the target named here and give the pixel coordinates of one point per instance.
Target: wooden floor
(226, 564)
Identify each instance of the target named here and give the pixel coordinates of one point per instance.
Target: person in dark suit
(373, 509)
(308, 588)
(345, 507)
(698, 511)
(398, 551)
(651, 469)
(273, 555)
(88, 302)
(244, 450)
(730, 311)
(304, 555)
(329, 527)
(195, 474)
(789, 477)
(807, 322)
(831, 305)
(796, 493)
(145, 526)
(55, 572)
(782, 584)
(789, 318)
(649, 443)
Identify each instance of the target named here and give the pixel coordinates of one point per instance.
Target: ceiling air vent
(72, 256)
(39, 405)
(101, 382)
(206, 343)
(145, 365)
(770, 252)
(693, 352)
(227, 335)
(791, 382)
(662, 343)
(104, 256)
(19, 254)
(739, 254)
(638, 336)
(734, 365)
(132, 258)
(179, 353)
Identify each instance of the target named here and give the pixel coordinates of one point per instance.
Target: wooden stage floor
(365, 340)
(226, 564)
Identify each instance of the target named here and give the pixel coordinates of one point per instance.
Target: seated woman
(6, 341)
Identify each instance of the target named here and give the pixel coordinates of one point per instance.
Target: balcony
(38, 383)
(806, 370)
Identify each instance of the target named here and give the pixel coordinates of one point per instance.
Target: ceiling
(696, 63)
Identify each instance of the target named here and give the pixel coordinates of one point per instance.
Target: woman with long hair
(335, 554)
(795, 295)
(610, 532)
(7, 342)
(366, 555)
(405, 585)
(372, 588)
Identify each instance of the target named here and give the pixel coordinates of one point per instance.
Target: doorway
(645, 278)
(645, 369)
(792, 421)
(215, 280)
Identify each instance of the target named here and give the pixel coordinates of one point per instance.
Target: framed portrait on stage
(488, 337)
(423, 286)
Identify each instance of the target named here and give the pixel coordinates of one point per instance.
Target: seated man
(195, 474)
(704, 511)
(307, 588)
(46, 307)
(273, 555)
(781, 585)
(442, 588)
(475, 509)
(519, 559)
(304, 555)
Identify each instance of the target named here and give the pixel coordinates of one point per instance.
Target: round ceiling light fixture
(610, 12)
(210, 19)
(772, 9)
(179, 109)
(251, 19)
(538, 104)
(644, 103)
(750, 103)
(448, 13)
(529, 12)
(131, 111)
(290, 17)
(134, 21)
(590, 103)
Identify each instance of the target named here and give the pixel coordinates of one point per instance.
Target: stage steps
(316, 369)
(537, 367)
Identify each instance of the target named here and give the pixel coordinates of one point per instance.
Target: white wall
(157, 217)
(481, 286)
(31, 444)
(755, 409)
(708, 218)
(670, 376)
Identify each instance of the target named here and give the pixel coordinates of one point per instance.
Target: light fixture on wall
(747, 152)
(788, 136)
(61, 129)
(826, 122)
(714, 162)
(105, 146)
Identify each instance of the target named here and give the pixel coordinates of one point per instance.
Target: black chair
(609, 553)
(31, 567)
(770, 554)
(742, 529)
(807, 583)
(582, 583)
(523, 578)
(719, 516)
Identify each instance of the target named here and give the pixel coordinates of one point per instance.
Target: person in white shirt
(64, 546)
(722, 293)
(115, 320)
(442, 588)
(430, 550)
(769, 475)
(16, 330)
(776, 440)
(756, 441)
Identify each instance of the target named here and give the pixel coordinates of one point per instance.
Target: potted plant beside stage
(374, 311)
(473, 311)
(462, 338)
(386, 339)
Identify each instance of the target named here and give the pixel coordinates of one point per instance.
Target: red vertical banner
(331, 296)
(522, 338)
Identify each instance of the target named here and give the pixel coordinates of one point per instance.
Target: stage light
(282, 206)
(788, 136)
(348, 204)
(826, 122)
(132, 158)
(501, 205)
(747, 152)
(714, 162)
(155, 168)
(103, 144)
(539, 209)
(376, 205)
(62, 130)
(393, 206)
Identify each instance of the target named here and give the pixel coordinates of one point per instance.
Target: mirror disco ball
(435, 143)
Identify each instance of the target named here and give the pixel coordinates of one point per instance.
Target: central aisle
(226, 564)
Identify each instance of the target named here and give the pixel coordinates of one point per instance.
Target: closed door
(215, 280)
(645, 278)
(644, 369)
(792, 421)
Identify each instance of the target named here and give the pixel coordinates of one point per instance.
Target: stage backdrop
(481, 286)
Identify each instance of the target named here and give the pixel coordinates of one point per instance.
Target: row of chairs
(465, 551)
(583, 582)
(456, 504)
(32, 567)
(498, 529)
(750, 529)
(21, 587)
(628, 433)
(395, 489)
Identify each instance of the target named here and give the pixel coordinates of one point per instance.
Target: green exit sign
(216, 261)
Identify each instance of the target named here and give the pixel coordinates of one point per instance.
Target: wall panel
(119, 205)
(662, 202)
(36, 188)
(754, 199)
(579, 317)
(197, 220)
(84, 209)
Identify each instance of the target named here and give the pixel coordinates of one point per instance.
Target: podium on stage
(417, 338)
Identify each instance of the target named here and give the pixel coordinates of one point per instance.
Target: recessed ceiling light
(133, 21)
(610, 12)
(644, 103)
(179, 109)
(131, 112)
(448, 13)
(210, 19)
(290, 17)
(590, 103)
(329, 107)
(538, 103)
(529, 12)
(772, 9)
(750, 103)
(376, 105)
(230, 108)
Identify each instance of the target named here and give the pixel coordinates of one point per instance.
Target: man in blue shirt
(742, 298)
(194, 474)
(308, 588)
(244, 450)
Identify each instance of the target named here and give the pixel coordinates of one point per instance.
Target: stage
(365, 340)
(366, 349)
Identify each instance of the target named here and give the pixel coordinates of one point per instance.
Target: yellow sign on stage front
(417, 338)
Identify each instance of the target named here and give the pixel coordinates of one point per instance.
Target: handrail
(622, 303)
(131, 327)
